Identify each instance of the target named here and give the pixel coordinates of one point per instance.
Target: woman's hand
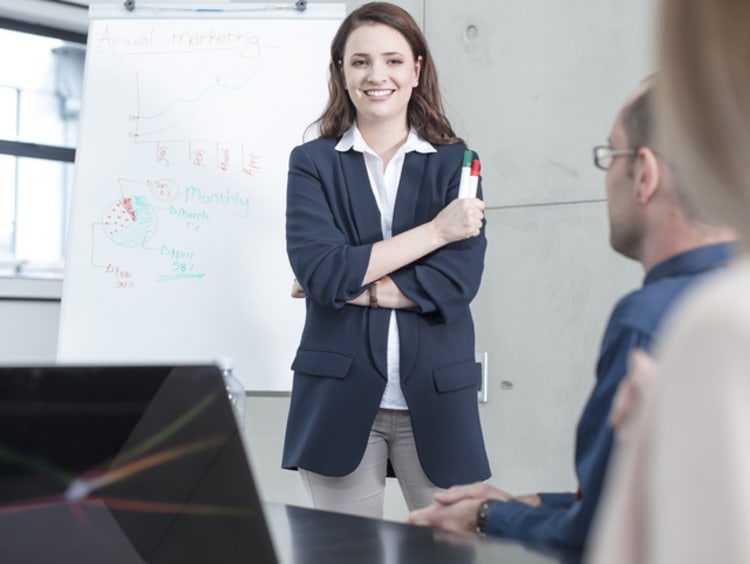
(461, 219)
(297, 291)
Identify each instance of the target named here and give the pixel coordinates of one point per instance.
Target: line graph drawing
(179, 110)
(199, 122)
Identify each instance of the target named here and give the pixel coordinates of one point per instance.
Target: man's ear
(647, 174)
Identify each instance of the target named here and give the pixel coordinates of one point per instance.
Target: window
(40, 97)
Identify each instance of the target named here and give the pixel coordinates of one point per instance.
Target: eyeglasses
(604, 155)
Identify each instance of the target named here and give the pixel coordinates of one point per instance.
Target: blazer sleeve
(329, 269)
(447, 280)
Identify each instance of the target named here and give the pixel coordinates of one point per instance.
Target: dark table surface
(309, 536)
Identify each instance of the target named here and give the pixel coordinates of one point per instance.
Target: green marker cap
(468, 157)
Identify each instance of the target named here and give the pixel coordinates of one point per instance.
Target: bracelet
(373, 291)
(483, 512)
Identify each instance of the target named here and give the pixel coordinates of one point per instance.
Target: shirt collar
(352, 139)
(694, 261)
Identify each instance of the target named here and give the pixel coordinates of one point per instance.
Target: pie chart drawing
(130, 222)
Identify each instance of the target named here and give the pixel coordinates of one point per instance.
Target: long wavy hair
(425, 111)
(704, 104)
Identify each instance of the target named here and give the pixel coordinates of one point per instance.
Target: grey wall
(531, 85)
(29, 315)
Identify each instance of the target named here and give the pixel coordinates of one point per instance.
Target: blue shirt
(564, 518)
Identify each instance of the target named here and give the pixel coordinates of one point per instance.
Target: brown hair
(425, 111)
(704, 101)
(638, 117)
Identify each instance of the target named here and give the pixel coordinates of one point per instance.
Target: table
(309, 536)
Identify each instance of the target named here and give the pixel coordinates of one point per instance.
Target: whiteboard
(176, 246)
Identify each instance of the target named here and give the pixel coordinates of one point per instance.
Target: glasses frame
(602, 152)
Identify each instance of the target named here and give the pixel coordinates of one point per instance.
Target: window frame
(38, 150)
(25, 149)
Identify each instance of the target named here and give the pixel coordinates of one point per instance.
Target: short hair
(640, 124)
(638, 118)
(704, 103)
(425, 111)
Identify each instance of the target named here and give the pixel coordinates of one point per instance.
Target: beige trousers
(362, 492)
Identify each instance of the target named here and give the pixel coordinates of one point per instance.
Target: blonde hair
(703, 100)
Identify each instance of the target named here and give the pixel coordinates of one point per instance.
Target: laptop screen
(124, 464)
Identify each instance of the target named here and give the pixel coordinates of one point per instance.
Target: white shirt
(384, 184)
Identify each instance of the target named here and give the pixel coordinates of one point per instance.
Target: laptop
(125, 464)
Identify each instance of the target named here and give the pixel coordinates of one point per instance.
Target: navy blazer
(332, 221)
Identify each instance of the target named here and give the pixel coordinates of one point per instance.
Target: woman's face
(379, 73)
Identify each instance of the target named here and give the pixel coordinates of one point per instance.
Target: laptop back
(125, 464)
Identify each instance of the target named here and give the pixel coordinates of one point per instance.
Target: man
(649, 222)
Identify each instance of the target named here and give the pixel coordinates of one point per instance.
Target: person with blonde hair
(679, 487)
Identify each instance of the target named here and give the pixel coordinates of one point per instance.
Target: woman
(388, 260)
(680, 488)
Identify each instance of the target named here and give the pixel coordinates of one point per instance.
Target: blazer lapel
(403, 219)
(366, 220)
(364, 208)
(408, 191)
(377, 324)
(367, 223)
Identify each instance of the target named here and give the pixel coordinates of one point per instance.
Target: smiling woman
(380, 73)
(388, 259)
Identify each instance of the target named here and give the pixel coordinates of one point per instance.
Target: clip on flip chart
(300, 5)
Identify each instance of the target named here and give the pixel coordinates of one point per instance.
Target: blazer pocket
(322, 363)
(456, 376)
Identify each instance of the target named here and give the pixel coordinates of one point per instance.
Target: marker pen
(463, 187)
(471, 192)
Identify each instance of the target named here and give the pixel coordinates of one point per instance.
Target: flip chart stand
(176, 249)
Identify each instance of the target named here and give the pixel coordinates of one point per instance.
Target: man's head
(648, 218)
(633, 174)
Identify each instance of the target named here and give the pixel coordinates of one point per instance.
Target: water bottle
(235, 391)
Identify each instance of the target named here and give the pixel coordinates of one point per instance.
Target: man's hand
(642, 372)
(456, 508)
(478, 490)
(460, 516)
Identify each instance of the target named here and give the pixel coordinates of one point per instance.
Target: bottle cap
(224, 363)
